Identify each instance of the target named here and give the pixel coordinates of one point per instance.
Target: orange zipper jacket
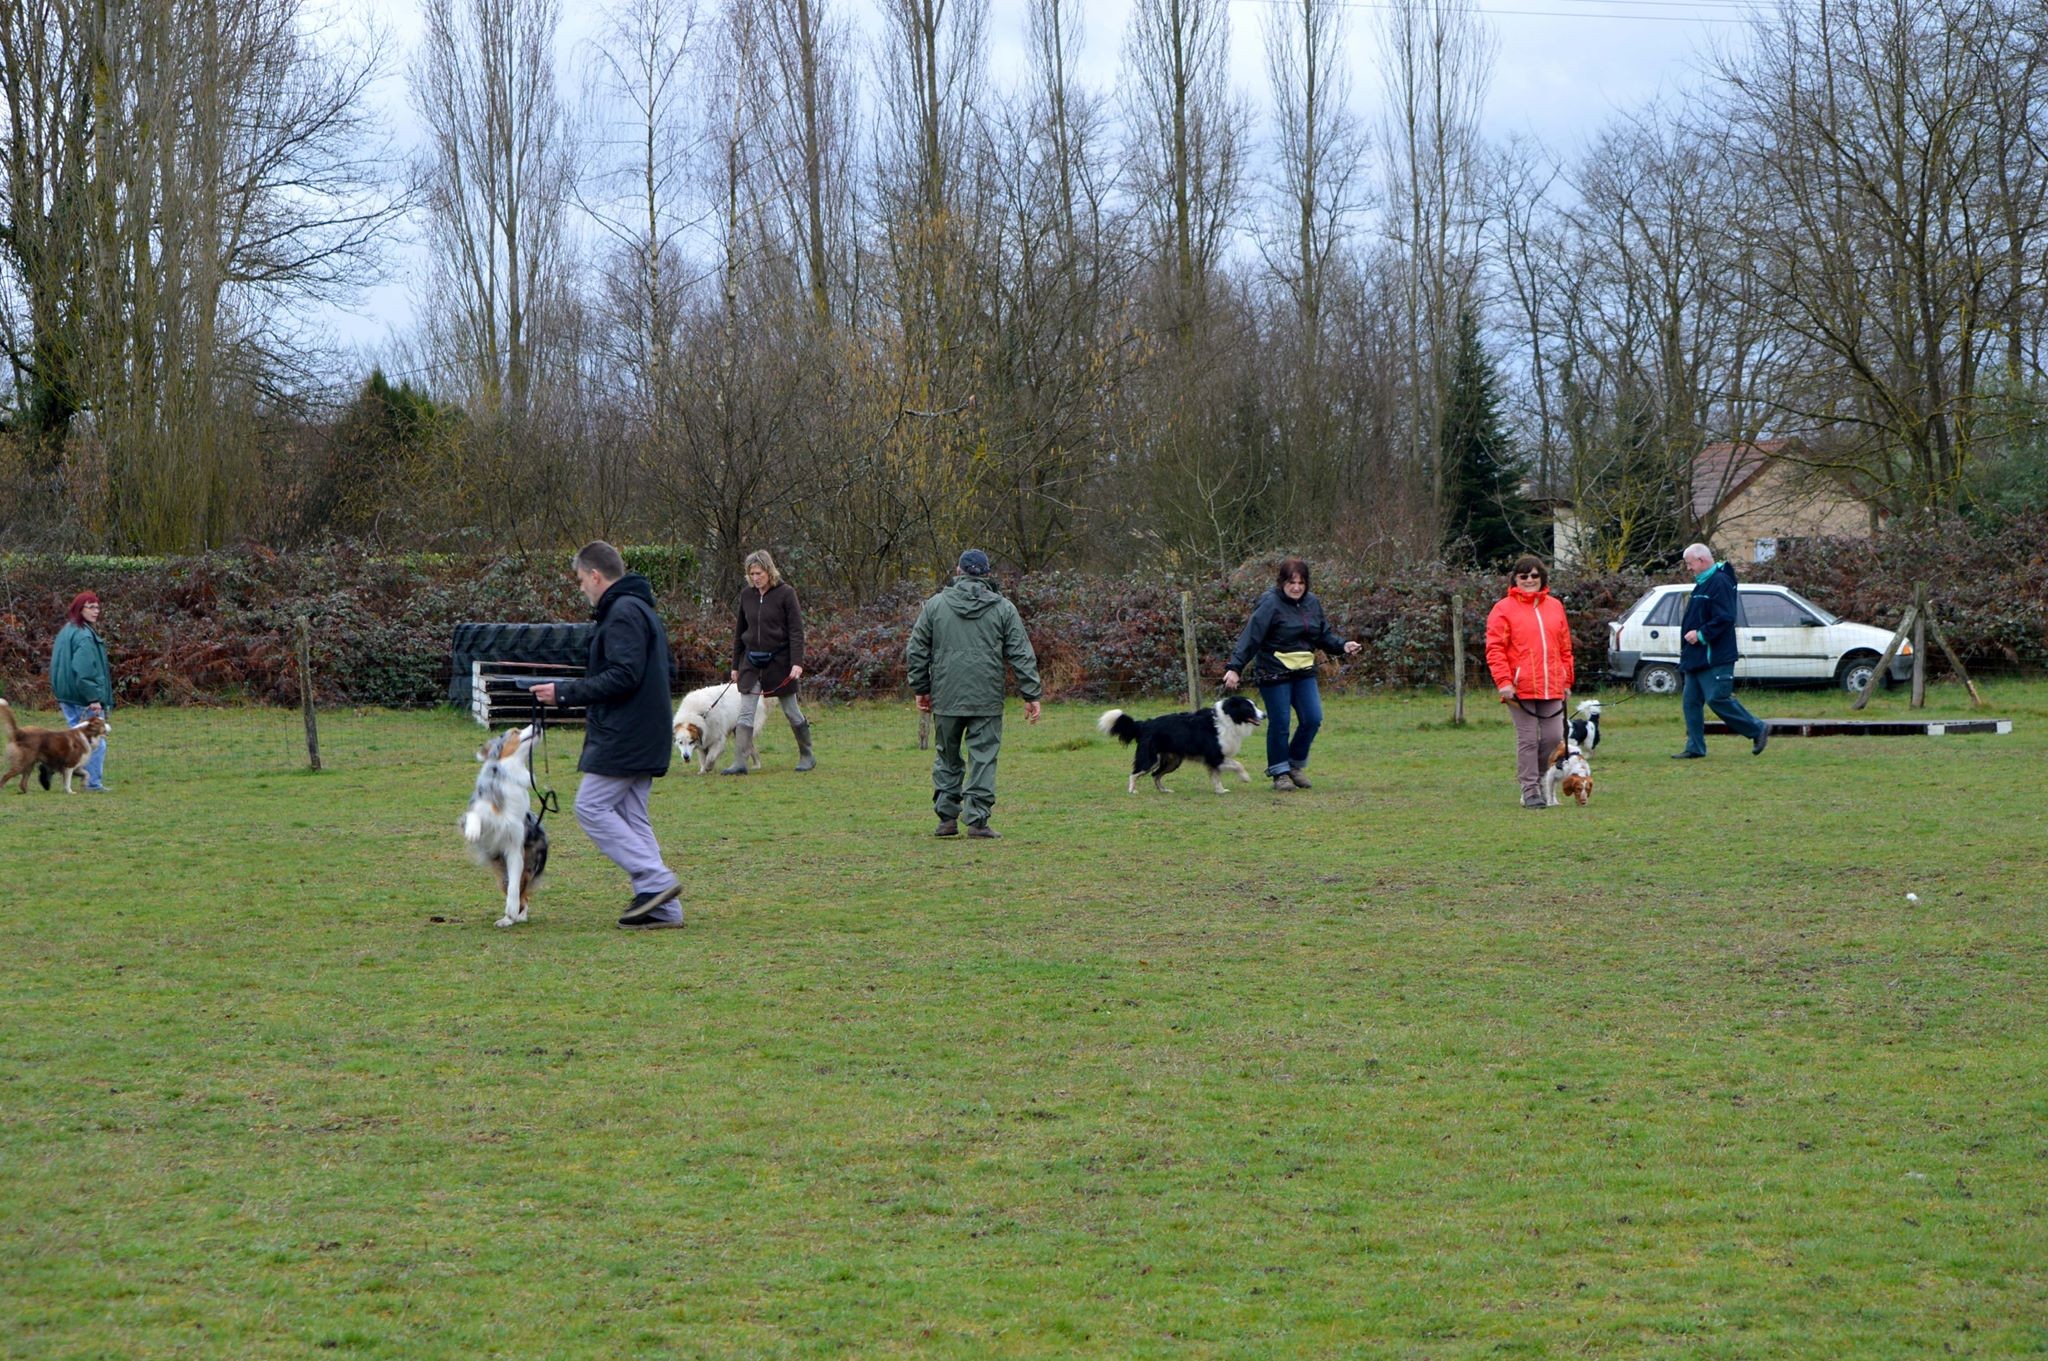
(1529, 645)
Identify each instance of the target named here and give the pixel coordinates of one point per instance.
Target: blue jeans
(1282, 753)
(1715, 687)
(75, 714)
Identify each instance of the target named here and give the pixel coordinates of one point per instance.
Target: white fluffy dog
(705, 721)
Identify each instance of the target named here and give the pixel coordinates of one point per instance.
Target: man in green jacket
(963, 638)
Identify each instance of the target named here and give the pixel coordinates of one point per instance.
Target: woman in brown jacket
(768, 658)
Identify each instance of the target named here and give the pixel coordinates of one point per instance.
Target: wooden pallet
(499, 693)
(1875, 727)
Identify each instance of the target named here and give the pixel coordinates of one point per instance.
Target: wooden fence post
(306, 690)
(1940, 638)
(1458, 661)
(1187, 642)
(1919, 645)
(1891, 650)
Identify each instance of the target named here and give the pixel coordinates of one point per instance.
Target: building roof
(1726, 468)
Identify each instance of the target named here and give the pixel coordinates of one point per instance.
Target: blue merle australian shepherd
(502, 830)
(1212, 736)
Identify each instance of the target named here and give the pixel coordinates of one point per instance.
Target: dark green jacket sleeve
(1017, 651)
(919, 653)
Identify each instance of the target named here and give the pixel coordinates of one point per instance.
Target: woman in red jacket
(1529, 651)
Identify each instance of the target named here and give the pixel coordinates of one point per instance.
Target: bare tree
(807, 138)
(1319, 154)
(1318, 164)
(181, 179)
(1438, 58)
(1888, 230)
(642, 95)
(495, 178)
(1054, 276)
(1525, 233)
(46, 71)
(1187, 130)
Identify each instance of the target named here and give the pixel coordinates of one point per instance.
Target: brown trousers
(1537, 734)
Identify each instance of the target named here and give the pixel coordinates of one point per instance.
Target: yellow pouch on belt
(1296, 661)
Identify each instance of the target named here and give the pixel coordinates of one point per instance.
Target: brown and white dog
(1569, 775)
(48, 751)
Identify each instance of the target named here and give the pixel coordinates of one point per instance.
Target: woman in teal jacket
(80, 677)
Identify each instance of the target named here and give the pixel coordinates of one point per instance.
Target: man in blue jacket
(1707, 656)
(627, 735)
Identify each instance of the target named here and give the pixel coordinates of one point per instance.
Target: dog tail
(13, 728)
(1118, 724)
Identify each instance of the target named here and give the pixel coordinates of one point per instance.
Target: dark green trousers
(965, 789)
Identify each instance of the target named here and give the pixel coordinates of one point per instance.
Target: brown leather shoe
(948, 827)
(1300, 778)
(1284, 784)
(981, 831)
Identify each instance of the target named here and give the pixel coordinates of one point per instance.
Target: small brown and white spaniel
(1568, 775)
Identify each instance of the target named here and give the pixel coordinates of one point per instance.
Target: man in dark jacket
(963, 638)
(627, 734)
(1707, 654)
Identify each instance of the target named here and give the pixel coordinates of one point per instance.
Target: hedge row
(219, 628)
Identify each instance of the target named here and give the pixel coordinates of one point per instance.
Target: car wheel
(1855, 671)
(1658, 678)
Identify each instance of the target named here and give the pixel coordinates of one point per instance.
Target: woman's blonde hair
(760, 558)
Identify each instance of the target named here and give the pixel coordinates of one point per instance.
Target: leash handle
(545, 798)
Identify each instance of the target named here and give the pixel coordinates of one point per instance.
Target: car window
(1770, 610)
(1667, 611)
(1825, 616)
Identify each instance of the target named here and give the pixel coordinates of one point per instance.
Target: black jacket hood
(632, 584)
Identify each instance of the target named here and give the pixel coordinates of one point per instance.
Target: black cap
(974, 563)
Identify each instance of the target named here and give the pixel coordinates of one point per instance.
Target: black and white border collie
(1584, 727)
(500, 827)
(1212, 735)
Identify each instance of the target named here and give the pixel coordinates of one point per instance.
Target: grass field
(1392, 1068)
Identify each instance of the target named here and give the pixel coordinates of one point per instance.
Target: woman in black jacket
(1286, 627)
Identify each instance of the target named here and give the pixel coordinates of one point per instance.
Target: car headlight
(1905, 649)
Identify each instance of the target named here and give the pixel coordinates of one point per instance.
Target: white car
(1783, 639)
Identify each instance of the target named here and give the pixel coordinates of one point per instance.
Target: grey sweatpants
(612, 810)
(1535, 738)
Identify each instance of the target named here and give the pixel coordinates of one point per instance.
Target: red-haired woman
(80, 677)
(1529, 652)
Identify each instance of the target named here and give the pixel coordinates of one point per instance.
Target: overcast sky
(1563, 69)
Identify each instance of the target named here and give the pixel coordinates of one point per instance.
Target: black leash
(546, 800)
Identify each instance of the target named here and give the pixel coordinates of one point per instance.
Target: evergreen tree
(1487, 517)
(386, 451)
